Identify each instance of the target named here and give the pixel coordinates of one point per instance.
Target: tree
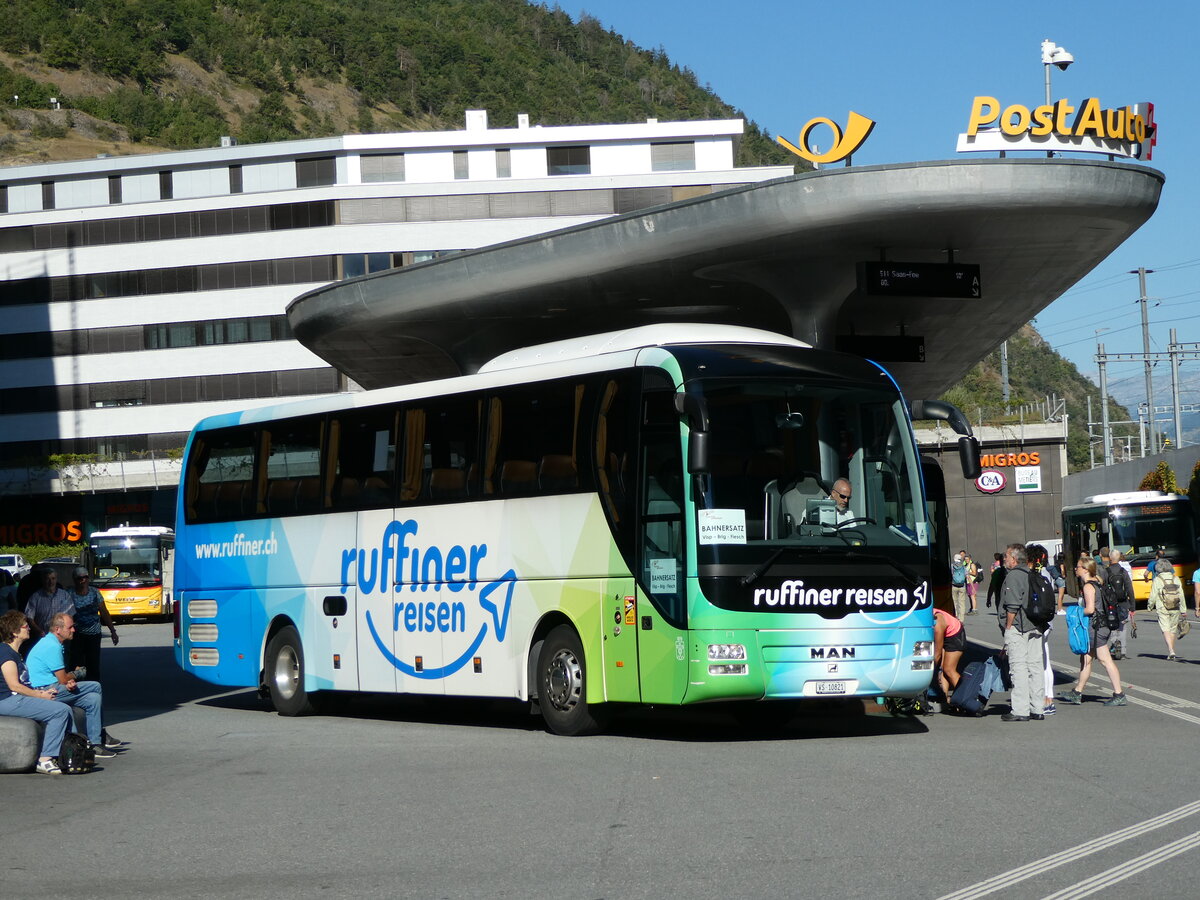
(1160, 478)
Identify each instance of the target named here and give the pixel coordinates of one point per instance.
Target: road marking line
(1127, 870)
(1096, 845)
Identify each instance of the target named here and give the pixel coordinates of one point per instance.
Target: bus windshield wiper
(762, 567)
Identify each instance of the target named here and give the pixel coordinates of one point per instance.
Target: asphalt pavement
(219, 797)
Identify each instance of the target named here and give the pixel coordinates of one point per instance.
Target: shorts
(956, 644)
(1101, 636)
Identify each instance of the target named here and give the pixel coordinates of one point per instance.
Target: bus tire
(562, 685)
(284, 674)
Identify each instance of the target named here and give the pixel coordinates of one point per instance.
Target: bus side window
(362, 447)
(612, 447)
(445, 438)
(533, 439)
(223, 473)
(294, 466)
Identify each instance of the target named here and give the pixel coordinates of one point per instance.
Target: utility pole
(1141, 273)
(1105, 430)
(1173, 352)
(1004, 375)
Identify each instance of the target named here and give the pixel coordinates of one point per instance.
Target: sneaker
(1116, 700)
(103, 752)
(1049, 709)
(1009, 717)
(111, 742)
(1073, 697)
(1036, 717)
(47, 767)
(1172, 657)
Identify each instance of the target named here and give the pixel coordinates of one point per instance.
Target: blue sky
(915, 68)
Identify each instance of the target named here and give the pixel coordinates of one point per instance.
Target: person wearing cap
(90, 615)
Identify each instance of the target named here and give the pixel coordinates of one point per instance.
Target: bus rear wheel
(562, 685)
(284, 674)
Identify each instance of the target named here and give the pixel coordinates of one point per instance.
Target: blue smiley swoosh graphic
(499, 613)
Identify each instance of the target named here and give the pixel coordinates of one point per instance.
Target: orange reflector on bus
(478, 665)
(620, 665)
(337, 660)
(420, 665)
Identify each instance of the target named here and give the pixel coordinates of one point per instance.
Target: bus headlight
(726, 651)
(923, 648)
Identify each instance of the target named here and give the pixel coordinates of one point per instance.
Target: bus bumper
(809, 664)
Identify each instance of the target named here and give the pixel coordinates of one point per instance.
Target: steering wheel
(855, 521)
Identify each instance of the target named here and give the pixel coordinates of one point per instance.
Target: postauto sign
(1087, 128)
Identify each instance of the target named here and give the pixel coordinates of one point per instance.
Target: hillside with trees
(139, 75)
(1036, 373)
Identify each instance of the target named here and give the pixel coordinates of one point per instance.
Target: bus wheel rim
(287, 672)
(565, 680)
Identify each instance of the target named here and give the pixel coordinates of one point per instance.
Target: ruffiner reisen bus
(638, 517)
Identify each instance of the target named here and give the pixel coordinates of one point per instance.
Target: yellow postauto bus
(133, 568)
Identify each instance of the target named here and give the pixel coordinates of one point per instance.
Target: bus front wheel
(562, 688)
(284, 674)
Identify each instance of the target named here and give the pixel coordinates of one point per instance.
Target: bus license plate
(833, 687)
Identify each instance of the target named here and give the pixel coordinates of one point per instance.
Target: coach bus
(133, 568)
(639, 517)
(1139, 524)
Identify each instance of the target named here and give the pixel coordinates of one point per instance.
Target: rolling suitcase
(975, 687)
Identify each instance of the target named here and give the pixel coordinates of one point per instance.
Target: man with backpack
(1118, 587)
(1022, 637)
(958, 584)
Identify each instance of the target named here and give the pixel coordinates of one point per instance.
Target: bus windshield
(1139, 530)
(127, 559)
(813, 464)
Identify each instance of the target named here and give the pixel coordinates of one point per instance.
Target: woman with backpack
(1089, 590)
(1166, 596)
(973, 579)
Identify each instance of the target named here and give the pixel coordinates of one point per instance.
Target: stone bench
(21, 741)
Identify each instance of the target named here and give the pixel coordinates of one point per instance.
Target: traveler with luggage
(1089, 591)
(1022, 638)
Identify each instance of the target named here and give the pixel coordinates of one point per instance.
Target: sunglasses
(843, 496)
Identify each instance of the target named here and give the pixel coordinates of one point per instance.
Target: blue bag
(1079, 630)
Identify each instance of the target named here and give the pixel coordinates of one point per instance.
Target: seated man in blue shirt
(48, 669)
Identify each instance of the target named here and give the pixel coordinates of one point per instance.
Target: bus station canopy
(783, 255)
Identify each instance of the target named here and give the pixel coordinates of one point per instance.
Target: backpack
(1171, 594)
(75, 757)
(1111, 611)
(1039, 605)
(1079, 631)
(1118, 584)
(958, 574)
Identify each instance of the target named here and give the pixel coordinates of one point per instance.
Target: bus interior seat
(376, 489)
(308, 494)
(518, 476)
(281, 497)
(557, 472)
(206, 500)
(797, 491)
(346, 491)
(447, 484)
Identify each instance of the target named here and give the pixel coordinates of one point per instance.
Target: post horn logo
(858, 129)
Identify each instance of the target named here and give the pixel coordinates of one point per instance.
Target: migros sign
(997, 460)
(1090, 120)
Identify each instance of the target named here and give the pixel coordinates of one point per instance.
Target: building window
(235, 179)
(166, 186)
(382, 167)
(569, 160)
(316, 172)
(114, 188)
(678, 156)
(460, 164)
(47, 195)
(504, 163)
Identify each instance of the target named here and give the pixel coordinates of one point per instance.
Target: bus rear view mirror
(968, 457)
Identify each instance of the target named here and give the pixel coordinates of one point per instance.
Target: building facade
(142, 293)
(1019, 496)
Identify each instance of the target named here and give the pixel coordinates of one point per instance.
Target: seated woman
(17, 698)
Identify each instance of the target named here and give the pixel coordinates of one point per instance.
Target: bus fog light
(726, 651)
(921, 665)
(728, 669)
(923, 648)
